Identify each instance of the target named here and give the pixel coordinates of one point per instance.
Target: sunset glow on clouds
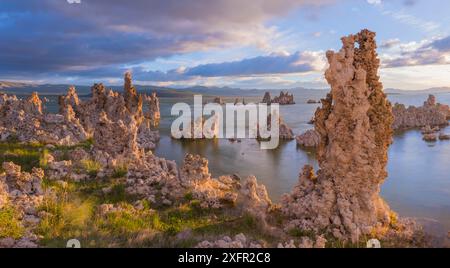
(248, 44)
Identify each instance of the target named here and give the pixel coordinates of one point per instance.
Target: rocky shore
(89, 173)
(430, 117)
(430, 114)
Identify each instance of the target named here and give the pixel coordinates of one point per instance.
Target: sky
(265, 44)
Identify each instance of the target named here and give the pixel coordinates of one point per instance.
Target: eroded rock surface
(219, 100)
(23, 191)
(116, 121)
(239, 241)
(26, 121)
(309, 139)
(430, 114)
(284, 131)
(355, 131)
(283, 99)
(153, 112)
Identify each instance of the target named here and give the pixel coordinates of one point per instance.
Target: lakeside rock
(430, 114)
(285, 132)
(202, 128)
(430, 118)
(26, 121)
(219, 100)
(444, 137)
(283, 99)
(309, 139)
(267, 98)
(153, 113)
(430, 137)
(117, 122)
(311, 101)
(344, 196)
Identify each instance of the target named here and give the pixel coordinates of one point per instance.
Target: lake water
(418, 184)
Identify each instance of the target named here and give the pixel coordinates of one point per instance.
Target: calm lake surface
(418, 184)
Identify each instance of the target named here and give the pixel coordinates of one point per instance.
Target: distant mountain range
(434, 90)
(50, 89)
(20, 88)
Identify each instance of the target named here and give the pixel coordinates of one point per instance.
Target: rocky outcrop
(239, 241)
(267, 98)
(430, 137)
(116, 137)
(26, 121)
(116, 121)
(311, 101)
(285, 132)
(23, 191)
(212, 193)
(432, 134)
(283, 99)
(430, 114)
(218, 100)
(154, 179)
(200, 129)
(444, 137)
(159, 181)
(305, 242)
(354, 124)
(153, 112)
(309, 139)
(254, 200)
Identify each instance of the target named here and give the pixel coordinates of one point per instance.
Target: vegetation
(25, 155)
(73, 211)
(92, 167)
(120, 171)
(10, 225)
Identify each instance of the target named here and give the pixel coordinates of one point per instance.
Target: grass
(29, 155)
(120, 171)
(126, 221)
(10, 225)
(71, 211)
(92, 167)
(295, 232)
(25, 155)
(73, 214)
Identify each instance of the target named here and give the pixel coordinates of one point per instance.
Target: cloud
(442, 44)
(299, 62)
(374, 2)
(425, 52)
(408, 19)
(390, 43)
(50, 36)
(410, 2)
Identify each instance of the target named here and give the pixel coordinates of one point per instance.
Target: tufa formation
(355, 131)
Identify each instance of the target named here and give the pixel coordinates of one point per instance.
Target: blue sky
(247, 44)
